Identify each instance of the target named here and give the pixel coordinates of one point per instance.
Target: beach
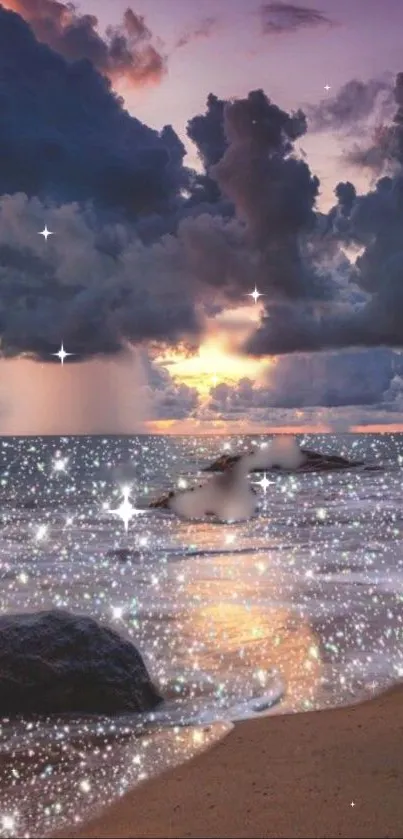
(299, 610)
(331, 773)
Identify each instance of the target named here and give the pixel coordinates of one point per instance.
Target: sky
(184, 155)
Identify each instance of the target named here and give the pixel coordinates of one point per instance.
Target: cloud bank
(145, 249)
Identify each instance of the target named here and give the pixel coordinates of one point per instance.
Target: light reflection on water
(299, 608)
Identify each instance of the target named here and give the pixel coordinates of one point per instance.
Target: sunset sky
(156, 246)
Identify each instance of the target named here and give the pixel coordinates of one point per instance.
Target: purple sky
(291, 68)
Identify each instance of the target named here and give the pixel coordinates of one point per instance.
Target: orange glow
(212, 365)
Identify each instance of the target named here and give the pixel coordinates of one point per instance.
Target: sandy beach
(333, 773)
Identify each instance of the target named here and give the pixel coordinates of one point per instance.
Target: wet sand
(336, 773)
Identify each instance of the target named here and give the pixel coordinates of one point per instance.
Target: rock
(163, 501)
(55, 662)
(123, 554)
(314, 462)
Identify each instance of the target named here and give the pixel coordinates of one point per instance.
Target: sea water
(296, 609)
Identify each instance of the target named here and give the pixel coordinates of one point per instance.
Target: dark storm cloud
(353, 104)
(126, 51)
(207, 131)
(133, 260)
(94, 287)
(281, 18)
(204, 29)
(65, 135)
(368, 313)
(273, 192)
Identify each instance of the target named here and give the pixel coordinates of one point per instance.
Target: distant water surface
(299, 608)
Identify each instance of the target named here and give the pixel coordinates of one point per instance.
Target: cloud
(282, 18)
(96, 286)
(363, 309)
(356, 102)
(132, 260)
(93, 285)
(65, 135)
(126, 52)
(330, 380)
(169, 399)
(272, 191)
(205, 29)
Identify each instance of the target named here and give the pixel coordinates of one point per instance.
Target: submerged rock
(123, 554)
(55, 662)
(163, 501)
(311, 462)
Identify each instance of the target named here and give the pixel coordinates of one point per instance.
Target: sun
(212, 365)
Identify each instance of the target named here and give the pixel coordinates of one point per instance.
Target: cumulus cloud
(169, 399)
(273, 192)
(366, 314)
(93, 286)
(125, 52)
(355, 103)
(329, 380)
(97, 286)
(282, 18)
(65, 135)
(132, 260)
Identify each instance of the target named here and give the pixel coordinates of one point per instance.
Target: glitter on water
(299, 608)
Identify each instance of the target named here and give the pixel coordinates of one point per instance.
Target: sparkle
(62, 354)
(255, 294)
(45, 233)
(264, 483)
(327, 87)
(59, 464)
(85, 785)
(126, 511)
(41, 532)
(8, 823)
(324, 549)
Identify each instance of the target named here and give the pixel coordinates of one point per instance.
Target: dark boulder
(314, 462)
(56, 662)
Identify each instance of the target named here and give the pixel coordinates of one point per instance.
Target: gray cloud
(272, 191)
(366, 312)
(282, 18)
(367, 379)
(169, 399)
(355, 103)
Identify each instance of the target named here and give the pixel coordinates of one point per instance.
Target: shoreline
(330, 773)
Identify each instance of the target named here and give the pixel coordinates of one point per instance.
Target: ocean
(299, 608)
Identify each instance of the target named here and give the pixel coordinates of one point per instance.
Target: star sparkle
(62, 354)
(255, 294)
(126, 511)
(45, 233)
(264, 483)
